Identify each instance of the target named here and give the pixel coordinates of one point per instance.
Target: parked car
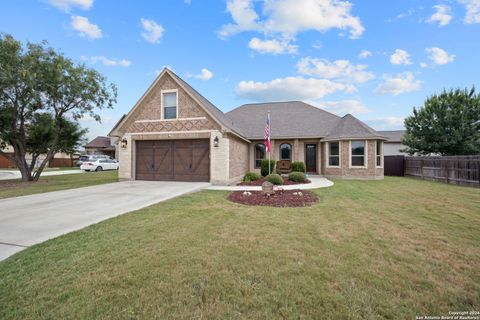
(90, 158)
(100, 165)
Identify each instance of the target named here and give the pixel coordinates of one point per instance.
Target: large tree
(41, 89)
(447, 124)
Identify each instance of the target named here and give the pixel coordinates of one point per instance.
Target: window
(285, 151)
(333, 154)
(169, 105)
(358, 153)
(378, 153)
(259, 154)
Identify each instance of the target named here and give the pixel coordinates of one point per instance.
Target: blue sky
(374, 59)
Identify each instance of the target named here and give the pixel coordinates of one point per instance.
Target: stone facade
(238, 158)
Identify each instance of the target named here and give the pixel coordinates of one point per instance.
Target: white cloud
(442, 15)
(343, 107)
(272, 46)
(439, 56)
(204, 75)
(364, 54)
(109, 62)
(401, 83)
(290, 88)
(423, 64)
(152, 31)
(67, 5)
(386, 123)
(400, 57)
(473, 11)
(290, 17)
(85, 28)
(342, 69)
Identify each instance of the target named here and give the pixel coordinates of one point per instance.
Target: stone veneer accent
(344, 171)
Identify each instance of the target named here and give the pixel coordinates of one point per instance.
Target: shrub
(298, 166)
(264, 167)
(274, 178)
(251, 176)
(297, 176)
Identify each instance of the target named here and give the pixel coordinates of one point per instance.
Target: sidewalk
(316, 182)
(15, 174)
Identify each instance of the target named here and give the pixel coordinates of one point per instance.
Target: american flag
(267, 134)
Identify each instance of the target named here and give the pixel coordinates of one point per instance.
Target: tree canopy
(447, 124)
(42, 96)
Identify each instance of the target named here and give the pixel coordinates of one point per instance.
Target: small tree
(448, 124)
(36, 81)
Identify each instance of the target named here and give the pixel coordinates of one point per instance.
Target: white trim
(381, 154)
(168, 132)
(162, 92)
(365, 154)
(327, 158)
(167, 120)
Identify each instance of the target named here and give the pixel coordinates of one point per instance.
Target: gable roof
(208, 107)
(206, 104)
(99, 142)
(289, 119)
(350, 127)
(393, 135)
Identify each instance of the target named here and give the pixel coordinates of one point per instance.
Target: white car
(100, 165)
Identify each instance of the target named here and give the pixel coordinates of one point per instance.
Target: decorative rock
(267, 188)
(247, 193)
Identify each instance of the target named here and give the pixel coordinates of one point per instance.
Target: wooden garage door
(173, 160)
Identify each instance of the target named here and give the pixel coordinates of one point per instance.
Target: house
(60, 159)
(393, 144)
(174, 133)
(101, 145)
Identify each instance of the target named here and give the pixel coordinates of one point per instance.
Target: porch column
(295, 151)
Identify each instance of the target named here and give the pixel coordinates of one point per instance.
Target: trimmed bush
(274, 178)
(298, 166)
(297, 176)
(264, 167)
(251, 176)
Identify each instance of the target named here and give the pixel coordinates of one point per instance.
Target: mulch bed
(285, 198)
(259, 182)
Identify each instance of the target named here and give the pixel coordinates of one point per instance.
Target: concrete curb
(316, 182)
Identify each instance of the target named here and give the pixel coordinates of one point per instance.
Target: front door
(311, 157)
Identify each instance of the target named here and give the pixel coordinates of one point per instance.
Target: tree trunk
(38, 172)
(21, 162)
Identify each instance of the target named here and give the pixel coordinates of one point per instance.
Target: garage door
(173, 160)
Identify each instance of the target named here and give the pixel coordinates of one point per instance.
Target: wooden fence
(450, 169)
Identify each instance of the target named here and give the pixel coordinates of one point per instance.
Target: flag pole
(270, 142)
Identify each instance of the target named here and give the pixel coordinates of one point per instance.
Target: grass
(15, 188)
(369, 250)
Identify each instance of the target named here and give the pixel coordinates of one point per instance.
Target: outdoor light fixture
(124, 143)
(215, 142)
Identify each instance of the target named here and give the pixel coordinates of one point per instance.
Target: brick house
(174, 133)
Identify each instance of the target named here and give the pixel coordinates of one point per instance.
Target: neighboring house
(60, 160)
(174, 133)
(393, 144)
(101, 145)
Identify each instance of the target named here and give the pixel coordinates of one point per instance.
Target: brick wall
(370, 171)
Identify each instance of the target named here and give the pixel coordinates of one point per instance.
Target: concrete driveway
(27, 220)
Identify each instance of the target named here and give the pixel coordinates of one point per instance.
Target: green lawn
(370, 249)
(15, 188)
